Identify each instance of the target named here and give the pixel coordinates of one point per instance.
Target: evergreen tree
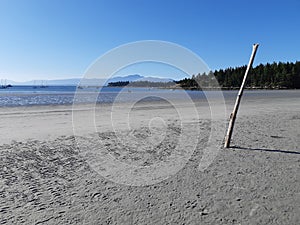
(275, 75)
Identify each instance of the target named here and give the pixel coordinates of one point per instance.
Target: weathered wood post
(238, 99)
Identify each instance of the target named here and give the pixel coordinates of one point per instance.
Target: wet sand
(44, 178)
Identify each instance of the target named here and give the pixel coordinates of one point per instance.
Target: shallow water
(61, 95)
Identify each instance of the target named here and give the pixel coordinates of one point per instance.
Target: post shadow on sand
(264, 150)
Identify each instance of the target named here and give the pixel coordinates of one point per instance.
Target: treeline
(141, 84)
(270, 76)
(118, 84)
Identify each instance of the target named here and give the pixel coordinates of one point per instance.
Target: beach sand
(45, 178)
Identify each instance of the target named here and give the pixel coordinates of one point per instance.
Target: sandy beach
(49, 175)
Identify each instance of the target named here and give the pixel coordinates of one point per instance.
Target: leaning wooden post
(238, 100)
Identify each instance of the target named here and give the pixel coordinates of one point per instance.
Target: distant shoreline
(171, 87)
(208, 88)
(237, 88)
(175, 87)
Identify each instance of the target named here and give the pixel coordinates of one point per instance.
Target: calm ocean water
(58, 95)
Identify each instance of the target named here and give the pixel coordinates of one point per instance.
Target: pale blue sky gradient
(43, 39)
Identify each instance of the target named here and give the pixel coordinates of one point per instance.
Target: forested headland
(264, 76)
(269, 76)
(142, 84)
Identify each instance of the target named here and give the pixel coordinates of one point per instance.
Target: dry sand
(44, 178)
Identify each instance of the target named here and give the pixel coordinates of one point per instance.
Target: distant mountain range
(89, 82)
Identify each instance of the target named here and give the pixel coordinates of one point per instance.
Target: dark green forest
(141, 84)
(270, 76)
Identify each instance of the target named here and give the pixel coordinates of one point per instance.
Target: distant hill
(156, 80)
(136, 77)
(89, 82)
(129, 78)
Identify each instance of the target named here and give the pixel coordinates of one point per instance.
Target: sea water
(61, 95)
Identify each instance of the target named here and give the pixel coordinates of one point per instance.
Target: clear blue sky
(50, 39)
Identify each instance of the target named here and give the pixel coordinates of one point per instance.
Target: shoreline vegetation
(264, 76)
